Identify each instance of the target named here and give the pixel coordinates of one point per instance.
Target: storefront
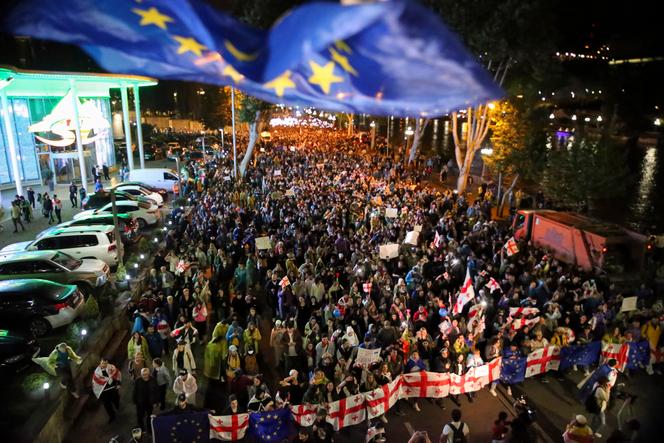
(57, 125)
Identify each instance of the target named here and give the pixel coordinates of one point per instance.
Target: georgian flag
(284, 282)
(615, 350)
(347, 412)
(511, 247)
(467, 294)
(437, 240)
(542, 360)
(229, 427)
(493, 285)
(425, 384)
(380, 400)
(304, 415)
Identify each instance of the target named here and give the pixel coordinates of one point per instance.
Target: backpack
(457, 434)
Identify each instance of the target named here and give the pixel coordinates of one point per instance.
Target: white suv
(146, 214)
(78, 241)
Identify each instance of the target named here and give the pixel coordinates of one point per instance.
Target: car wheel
(142, 223)
(39, 326)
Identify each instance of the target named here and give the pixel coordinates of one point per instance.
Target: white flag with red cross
(229, 427)
(437, 240)
(380, 400)
(467, 294)
(304, 415)
(493, 285)
(425, 384)
(518, 317)
(619, 351)
(542, 360)
(367, 287)
(284, 282)
(347, 412)
(511, 247)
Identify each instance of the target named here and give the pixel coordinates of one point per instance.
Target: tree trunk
(420, 126)
(507, 192)
(253, 137)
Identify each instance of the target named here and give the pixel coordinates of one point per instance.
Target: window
(169, 176)
(44, 267)
(81, 241)
(520, 220)
(48, 243)
(111, 237)
(18, 268)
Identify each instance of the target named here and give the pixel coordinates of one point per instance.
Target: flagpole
(234, 147)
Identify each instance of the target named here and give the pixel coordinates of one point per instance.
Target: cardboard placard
(277, 172)
(263, 243)
(629, 304)
(367, 356)
(417, 228)
(389, 251)
(412, 237)
(391, 212)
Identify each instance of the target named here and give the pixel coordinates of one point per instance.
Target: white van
(162, 178)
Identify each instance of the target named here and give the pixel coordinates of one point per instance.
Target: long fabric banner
(511, 368)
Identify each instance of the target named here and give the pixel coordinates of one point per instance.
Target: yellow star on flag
(281, 83)
(342, 46)
(188, 44)
(343, 62)
(323, 76)
(231, 72)
(152, 16)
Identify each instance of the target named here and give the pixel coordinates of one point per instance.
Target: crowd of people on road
(280, 325)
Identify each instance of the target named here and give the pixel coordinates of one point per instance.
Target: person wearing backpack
(596, 405)
(455, 431)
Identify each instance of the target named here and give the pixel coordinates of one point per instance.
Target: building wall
(28, 163)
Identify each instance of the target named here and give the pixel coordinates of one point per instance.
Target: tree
(509, 36)
(420, 127)
(253, 112)
(518, 138)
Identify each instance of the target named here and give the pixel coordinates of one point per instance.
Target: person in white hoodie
(183, 358)
(186, 384)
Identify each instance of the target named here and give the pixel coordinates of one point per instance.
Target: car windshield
(66, 260)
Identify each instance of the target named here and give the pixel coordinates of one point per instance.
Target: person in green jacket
(60, 361)
(215, 352)
(138, 343)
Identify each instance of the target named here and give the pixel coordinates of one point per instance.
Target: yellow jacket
(651, 333)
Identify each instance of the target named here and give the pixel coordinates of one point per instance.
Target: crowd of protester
(282, 326)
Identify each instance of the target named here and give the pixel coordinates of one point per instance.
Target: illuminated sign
(61, 122)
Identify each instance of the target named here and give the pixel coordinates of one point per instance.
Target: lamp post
(485, 153)
(408, 133)
(372, 125)
(203, 140)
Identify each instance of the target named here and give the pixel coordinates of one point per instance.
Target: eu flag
(513, 369)
(638, 355)
(584, 355)
(191, 427)
(271, 426)
(385, 58)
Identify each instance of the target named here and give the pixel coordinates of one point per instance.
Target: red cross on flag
(181, 267)
(467, 294)
(542, 360)
(229, 427)
(615, 350)
(493, 285)
(346, 412)
(284, 282)
(437, 240)
(304, 415)
(380, 400)
(511, 247)
(456, 384)
(367, 287)
(425, 384)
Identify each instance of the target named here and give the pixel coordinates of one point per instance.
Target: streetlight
(658, 121)
(203, 138)
(372, 125)
(551, 116)
(487, 152)
(409, 132)
(574, 117)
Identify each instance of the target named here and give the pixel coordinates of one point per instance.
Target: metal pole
(9, 130)
(222, 137)
(127, 127)
(177, 165)
(234, 147)
(79, 144)
(139, 128)
(116, 229)
(203, 137)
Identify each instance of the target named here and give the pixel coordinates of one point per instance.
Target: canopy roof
(29, 83)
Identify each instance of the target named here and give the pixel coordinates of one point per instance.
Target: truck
(593, 245)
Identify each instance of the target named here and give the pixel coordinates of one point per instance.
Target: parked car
(99, 199)
(146, 214)
(17, 350)
(139, 191)
(56, 266)
(127, 224)
(79, 241)
(39, 305)
(162, 178)
(163, 193)
(173, 150)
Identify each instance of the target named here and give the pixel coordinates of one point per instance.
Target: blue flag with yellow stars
(271, 426)
(638, 355)
(513, 368)
(385, 58)
(192, 427)
(583, 355)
